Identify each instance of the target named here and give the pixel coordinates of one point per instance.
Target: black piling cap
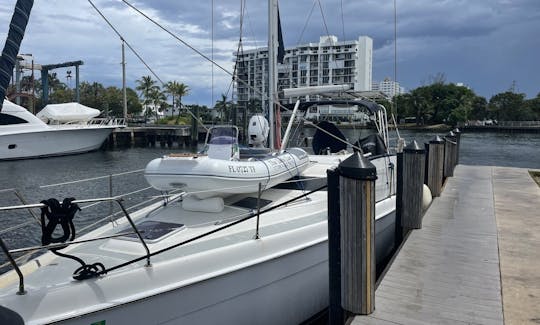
(456, 130)
(414, 147)
(451, 134)
(436, 139)
(358, 167)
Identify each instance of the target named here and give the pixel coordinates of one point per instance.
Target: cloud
(483, 43)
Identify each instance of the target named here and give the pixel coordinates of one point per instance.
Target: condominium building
(329, 62)
(389, 87)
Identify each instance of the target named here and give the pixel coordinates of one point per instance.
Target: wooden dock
(150, 135)
(475, 261)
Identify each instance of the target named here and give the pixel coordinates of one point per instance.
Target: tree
(147, 87)
(92, 95)
(133, 104)
(177, 91)
(157, 99)
(223, 106)
(508, 106)
(479, 108)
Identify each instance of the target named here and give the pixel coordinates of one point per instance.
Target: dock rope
(62, 214)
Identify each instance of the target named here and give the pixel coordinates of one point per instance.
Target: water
(484, 149)
(491, 149)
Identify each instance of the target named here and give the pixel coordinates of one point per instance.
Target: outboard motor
(258, 131)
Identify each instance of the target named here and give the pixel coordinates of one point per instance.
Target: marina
(293, 198)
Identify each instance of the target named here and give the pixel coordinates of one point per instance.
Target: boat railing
(111, 216)
(256, 213)
(9, 253)
(106, 121)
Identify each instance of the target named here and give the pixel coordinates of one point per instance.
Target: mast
(13, 42)
(272, 67)
(124, 93)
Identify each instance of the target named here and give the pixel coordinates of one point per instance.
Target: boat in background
(71, 129)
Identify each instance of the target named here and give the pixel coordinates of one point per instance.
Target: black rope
(62, 214)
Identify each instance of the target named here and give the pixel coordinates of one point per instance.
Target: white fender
(426, 197)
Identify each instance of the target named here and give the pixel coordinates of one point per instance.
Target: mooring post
(457, 132)
(357, 226)
(335, 312)
(131, 138)
(450, 147)
(398, 232)
(195, 127)
(434, 165)
(413, 186)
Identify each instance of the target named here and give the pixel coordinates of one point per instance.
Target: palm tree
(158, 99)
(146, 86)
(222, 107)
(177, 91)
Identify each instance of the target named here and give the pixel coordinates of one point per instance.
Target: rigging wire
(342, 21)
(126, 42)
(224, 69)
(212, 52)
(140, 58)
(306, 23)
(323, 18)
(188, 45)
(395, 56)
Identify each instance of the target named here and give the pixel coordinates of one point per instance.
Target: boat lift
(45, 80)
(20, 64)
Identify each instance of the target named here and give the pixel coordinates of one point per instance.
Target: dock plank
(476, 259)
(517, 208)
(447, 272)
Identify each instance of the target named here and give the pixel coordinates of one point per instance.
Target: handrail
(208, 233)
(148, 255)
(41, 205)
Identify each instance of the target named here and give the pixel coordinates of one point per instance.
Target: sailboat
(253, 255)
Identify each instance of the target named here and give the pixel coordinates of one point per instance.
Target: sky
(488, 45)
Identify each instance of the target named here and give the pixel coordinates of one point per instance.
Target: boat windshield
(6, 119)
(223, 135)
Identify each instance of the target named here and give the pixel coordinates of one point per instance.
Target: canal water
(35, 179)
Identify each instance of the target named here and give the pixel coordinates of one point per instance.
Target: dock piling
(450, 153)
(412, 178)
(435, 165)
(457, 132)
(335, 312)
(357, 230)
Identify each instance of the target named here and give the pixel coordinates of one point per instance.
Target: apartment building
(328, 62)
(389, 87)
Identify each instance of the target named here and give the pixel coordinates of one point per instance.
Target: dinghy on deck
(221, 168)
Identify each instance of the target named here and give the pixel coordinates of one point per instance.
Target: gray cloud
(485, 43)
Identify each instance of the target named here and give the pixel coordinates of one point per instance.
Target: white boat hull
(227, 278)
(286, 288)
(52, 142)
(198, 174)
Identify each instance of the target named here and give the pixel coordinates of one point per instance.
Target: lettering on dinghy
(241, 169)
